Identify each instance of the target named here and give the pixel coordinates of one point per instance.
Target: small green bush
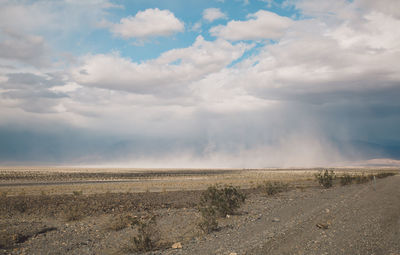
(148, 236)
(209, 221)
(74, 213)
(223, 200)
(384, 175)
(7, 240)
(22, 204)
(77, 192)
(346, 179)
(362, 178)
(325, 178)
(122, 221)
(272, 188)
(218, 202)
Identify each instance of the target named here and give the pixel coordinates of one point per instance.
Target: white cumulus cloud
(148, 23)
(168, 74)
(260, 25)
(212, 14)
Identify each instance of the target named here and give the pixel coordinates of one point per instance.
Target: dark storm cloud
(24, 94)
(373, 91)
(33, 92)
(24, 48)
(279, 144)
(59, 144)
(30, 80)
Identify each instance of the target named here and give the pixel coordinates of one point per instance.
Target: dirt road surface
(359, 220)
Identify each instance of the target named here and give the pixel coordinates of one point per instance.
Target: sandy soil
(33, 181)
(352, 219)
(51, 181)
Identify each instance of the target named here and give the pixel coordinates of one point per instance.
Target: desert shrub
(74, 213)
(346, 179)
(209, 221)
(223, 200)
(77, 192)
(302, 188)
(362, 178)
(3, 194)
(325, 178)
(272, 188)
(7, 240)
(122, 221)
(218, 202)
(147, 238)
(22, 204)
(383, 175)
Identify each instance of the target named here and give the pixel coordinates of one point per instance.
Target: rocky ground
(351, 219)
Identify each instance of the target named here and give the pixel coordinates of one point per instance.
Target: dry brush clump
(384, 175)
(363, 178)
(3, 194)
(325, 178)
(77, 192)
(218, 202)
(147, 238)
(122, 221)
(347, 179)
(7, 240)
(273, 188)
(209, 221)
(76, 211)
(20, 204)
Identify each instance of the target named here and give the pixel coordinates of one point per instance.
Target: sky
(199, 83)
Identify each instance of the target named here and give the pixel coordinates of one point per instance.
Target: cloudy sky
(199, 83)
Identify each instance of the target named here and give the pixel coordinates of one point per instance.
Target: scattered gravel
(353, 219)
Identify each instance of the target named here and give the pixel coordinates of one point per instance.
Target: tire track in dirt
(363, 221)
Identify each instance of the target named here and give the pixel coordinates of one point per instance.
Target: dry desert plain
(47, 210)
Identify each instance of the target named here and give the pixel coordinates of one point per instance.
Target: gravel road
(360, 219)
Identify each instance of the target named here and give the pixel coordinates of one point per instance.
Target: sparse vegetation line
(68, 183)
